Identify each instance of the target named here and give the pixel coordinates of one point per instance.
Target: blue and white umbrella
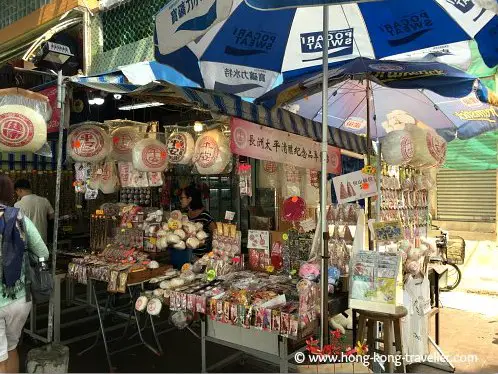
(229, 46)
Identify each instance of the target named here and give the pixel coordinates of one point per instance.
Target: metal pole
(324, 314)
(61, 98)
(368, 202)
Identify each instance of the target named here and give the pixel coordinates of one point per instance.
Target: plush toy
(342, 321)
(309, 271)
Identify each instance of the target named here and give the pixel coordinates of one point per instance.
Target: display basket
(455, 250)
(179, 257)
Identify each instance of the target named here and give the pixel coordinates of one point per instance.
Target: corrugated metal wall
(466, 195)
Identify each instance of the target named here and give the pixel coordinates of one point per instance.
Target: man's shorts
(12, 319)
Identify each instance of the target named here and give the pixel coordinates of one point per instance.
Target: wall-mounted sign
(264, 143)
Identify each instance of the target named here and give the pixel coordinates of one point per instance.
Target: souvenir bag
(416, 298)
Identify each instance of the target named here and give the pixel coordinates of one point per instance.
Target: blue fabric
(258, 39)
(12, 250)
(398, 26)
(282, 4)
(435, 94)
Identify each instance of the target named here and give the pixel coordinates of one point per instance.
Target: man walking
(38, 209)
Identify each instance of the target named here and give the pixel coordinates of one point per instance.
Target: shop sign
(267, 144)
(53, 123)
(354, 186)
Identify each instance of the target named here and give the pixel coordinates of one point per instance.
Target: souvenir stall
(397, 272)
(135, 239)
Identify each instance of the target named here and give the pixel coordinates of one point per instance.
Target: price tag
(308, 225)
(229, 216)
(99, 212)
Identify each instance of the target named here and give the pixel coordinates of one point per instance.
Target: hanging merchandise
(292, 179)
(123, 141)
(245, 180)
(415, 325)
(23, 120)
(150, 155)
(293, 209)
(398, 148)
(181, 146)
(109, 182)
(312, 187)
(88, 142)
(429, 148)
(212, 153)
(268, 174)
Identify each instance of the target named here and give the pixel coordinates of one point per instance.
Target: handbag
(39, 281)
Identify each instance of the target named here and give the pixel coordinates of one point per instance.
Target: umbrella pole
(324, 314)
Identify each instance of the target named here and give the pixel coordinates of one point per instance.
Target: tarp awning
(168, 87)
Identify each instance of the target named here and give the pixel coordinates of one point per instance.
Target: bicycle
(457, 243)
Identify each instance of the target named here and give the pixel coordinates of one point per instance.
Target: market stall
(140, 231)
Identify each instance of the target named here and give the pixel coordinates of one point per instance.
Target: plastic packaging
(430, 148)
(88, 142)
(268, 174)
(22, 129)
(312, 187)
(123, 141)
(291, 181)
(109, 181)
(398, 148)
(181, 147)
(293, 209)
(150, 155)
(212, 153)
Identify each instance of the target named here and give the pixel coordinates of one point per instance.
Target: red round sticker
(16, 130)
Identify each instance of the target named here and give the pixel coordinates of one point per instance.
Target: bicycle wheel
(454, 277)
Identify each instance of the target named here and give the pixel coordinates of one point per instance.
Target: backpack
(38, 279)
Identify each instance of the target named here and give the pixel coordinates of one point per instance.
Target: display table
(265, 345)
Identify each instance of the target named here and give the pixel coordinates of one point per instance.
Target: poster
(53, 123)
(258, 239)
(354, 186)
(376, 281)
(264, 143)
(391, 231)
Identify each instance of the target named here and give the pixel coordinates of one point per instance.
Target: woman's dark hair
(6, 190)
(195, 194)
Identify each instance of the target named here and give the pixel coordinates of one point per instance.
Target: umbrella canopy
(440, 96)
(231, 47)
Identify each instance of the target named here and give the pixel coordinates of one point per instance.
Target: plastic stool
(391, 329)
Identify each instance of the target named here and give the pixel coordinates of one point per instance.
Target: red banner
(264, 143)
(53, 124)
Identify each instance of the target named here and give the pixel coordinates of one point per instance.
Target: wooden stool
(391, 328)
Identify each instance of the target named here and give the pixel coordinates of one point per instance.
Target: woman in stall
(191, 201)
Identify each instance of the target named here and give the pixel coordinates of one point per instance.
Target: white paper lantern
(123, 141)
(88, 143)
(150, 155)
(181, 146)
(268, 174)
(398, 147)
(22, 129)
(212, 153)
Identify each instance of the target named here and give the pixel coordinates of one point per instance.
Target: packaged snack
(275, 320)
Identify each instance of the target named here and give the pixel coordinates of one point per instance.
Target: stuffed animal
(342, 321)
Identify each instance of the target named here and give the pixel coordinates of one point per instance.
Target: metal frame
(134, 291)
(281, 359)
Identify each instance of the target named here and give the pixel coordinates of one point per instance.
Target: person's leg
(3, 345)
(12, 362)
(16, 315)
